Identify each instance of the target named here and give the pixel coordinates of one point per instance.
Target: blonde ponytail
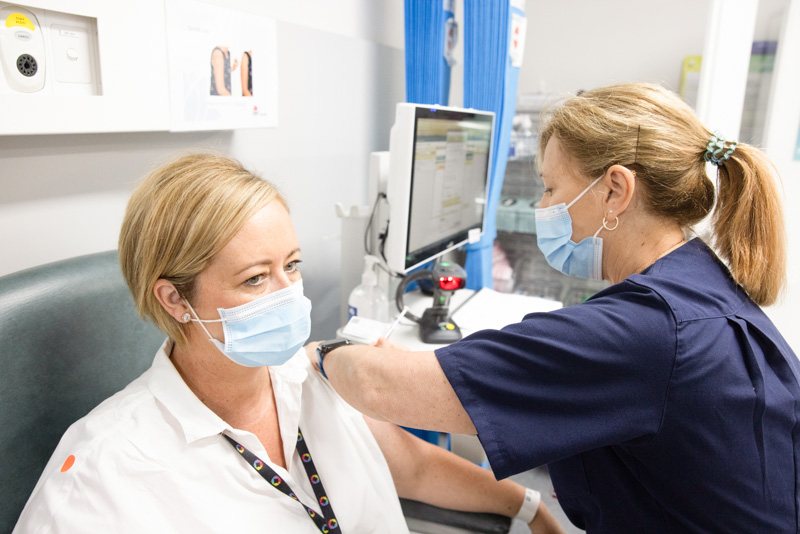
(748, 225)
(652, 131)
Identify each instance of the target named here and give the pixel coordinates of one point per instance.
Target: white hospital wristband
(530, 505)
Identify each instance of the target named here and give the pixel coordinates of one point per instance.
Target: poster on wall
(223, 68)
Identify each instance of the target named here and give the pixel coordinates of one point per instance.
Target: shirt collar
(196, 419)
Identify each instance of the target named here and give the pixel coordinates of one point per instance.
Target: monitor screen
(443, 175)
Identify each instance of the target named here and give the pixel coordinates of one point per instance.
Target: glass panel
(771, 14)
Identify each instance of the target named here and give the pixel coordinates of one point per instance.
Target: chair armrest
(482, 523)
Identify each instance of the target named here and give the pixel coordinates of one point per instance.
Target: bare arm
(427, 473)
(402, 387)
(245, 74)
(218, 64)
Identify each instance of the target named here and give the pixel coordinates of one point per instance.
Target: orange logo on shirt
(68, 463)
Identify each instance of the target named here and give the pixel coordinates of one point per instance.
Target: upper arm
(563, 382)
(218, 64)
(406, 388)
(243, 74)
(428, 401)
(217, 59)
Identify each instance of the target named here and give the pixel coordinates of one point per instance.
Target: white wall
(341, 71)
(377, 22)
(579, 44)
(782, 136)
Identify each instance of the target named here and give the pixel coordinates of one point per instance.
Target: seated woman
(229, 430)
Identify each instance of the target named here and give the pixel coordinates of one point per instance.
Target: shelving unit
(729, 35)
(520, 267)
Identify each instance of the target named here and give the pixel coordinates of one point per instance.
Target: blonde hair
(652, 131)
(177, 219)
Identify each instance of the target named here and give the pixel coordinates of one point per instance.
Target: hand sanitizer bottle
(367, 300)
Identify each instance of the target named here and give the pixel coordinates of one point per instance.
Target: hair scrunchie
(716, 149)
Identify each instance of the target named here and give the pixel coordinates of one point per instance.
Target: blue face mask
(266, 331)
(554, 237)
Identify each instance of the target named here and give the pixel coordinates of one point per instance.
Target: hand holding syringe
(368, 331)
(384, 342)
(395, 323)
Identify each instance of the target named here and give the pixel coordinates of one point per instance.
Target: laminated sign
(516, 45)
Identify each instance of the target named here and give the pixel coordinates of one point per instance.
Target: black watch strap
(325, 347)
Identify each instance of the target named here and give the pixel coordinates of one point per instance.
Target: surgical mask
(266, 331)
(554, 237)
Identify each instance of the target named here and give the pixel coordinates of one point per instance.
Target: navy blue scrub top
(665, 403)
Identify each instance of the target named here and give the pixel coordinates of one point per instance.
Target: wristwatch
(325, 347)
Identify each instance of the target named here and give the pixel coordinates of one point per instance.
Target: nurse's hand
(384, 343)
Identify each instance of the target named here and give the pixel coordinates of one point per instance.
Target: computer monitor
(438, 182)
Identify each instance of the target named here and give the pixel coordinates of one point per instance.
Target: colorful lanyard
(328, 521)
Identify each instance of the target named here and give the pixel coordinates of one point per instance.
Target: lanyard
(327, 521)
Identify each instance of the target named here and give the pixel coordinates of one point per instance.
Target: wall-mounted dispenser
(22, 50)
(103, 67)
(48, 52)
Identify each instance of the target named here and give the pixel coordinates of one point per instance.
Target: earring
(605, 223)
(186, 317)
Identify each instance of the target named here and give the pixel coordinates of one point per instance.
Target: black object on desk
(436, 324)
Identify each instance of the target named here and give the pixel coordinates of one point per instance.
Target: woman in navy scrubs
(667, 402)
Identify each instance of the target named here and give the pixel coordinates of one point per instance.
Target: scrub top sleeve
(567, 381)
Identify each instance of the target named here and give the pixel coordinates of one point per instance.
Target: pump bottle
(367, 300)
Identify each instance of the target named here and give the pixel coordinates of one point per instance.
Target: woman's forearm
(424, 472)
(430, 474)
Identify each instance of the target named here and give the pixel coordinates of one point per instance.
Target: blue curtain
(428, 77)
(429, 28)
(490, 84)
(427, 69)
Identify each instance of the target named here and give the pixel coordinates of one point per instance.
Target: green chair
(70, 338)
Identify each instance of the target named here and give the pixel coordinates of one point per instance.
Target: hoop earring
(605, 224)
(186, 317)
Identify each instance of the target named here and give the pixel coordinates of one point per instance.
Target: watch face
(327, 346)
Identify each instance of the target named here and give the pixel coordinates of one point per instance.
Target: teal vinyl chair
(70, 337)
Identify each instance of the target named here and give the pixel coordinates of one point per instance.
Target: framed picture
(222, 68)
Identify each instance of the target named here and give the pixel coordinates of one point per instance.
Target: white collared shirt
(152, 458)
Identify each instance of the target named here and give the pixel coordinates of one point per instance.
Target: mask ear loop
(605, 224)
(197, 319)
(584, 191)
